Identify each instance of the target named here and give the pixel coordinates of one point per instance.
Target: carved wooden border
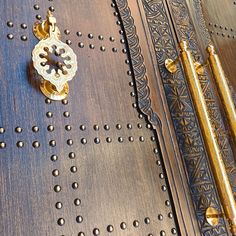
(181, 108)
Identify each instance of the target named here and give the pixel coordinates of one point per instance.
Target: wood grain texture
(118, 181)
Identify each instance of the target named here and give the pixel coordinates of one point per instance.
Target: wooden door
(122, 154)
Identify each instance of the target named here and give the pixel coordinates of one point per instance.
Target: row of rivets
(23, 37)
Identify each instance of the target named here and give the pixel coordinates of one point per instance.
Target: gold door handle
(54, 60)
(214, 154)
(223, 89)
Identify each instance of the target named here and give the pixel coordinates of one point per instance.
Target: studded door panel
(90, 164)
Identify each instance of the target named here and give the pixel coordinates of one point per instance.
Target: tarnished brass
(223, 89)
(213, 216)
(41, 29)
(216, 161)
(54, 72)
(171, 65)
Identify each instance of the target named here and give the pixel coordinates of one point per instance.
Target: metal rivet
(120, 139)
(91, 46)
(83, 127)
(90, 36)
(81, 234)
(132, 94)
(36, 144)
(50, 128)
(83, 140)
(75, 185)
(139, 126)
(131, 139)
(66, 31)
(131, 84)
(112, 39)
(10, 24)
(114, 49)
(134, 105)
(2, 145)
(48, 101)
(36, 7)
(81, 45)
(100, 37)
(2, 130)
(38, 17)
(136, 224)
(68, 128)
(116, 13)
(124, 51)
(162, 233)
(113, 5)
(79, 219)
(150, 234)
(96, 231)
(102, 48)
(118, 126)
(147, 220)
(158, 162)
(79, 34)
(77, 202)
(108, 139)
(23, 26)
(140, 116)
(110, 228)
(61, 221)
(49, 114)
(55, 173)
(64, 101)
(118, 22)
(69, 142)
(155, 150)
(121, 32)
(58, 205)
(129, 126)
(106, 127)
(68, 42)
(126, 61)
(167, 202)
(66, 114)
(129, 73)
(97, 140)
(153, 139)
(57, 188)
(20, 144)
(123, 225)
(73, 169)
(173, 231)
(170, 215)
(18, 129)
(10, 36)
(141, 139)
(54, 158)
(51, 8)
(96, 127)
(163, 188)
(122, 41)
(72, 155)
(52, 143)
(161, 176)
(160, 217)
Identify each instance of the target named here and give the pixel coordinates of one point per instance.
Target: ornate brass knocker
(57, 72)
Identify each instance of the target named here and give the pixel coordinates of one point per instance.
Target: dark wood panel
(119, 172)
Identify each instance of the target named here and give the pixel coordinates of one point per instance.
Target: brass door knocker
(57, 72)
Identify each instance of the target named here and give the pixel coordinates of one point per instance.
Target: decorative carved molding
(139, 69)
(181, 108)
(184, 29)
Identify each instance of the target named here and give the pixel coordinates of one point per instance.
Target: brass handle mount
(54, 60)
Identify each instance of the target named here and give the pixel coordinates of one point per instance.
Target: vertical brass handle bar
(216, 161)
(223, 89)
